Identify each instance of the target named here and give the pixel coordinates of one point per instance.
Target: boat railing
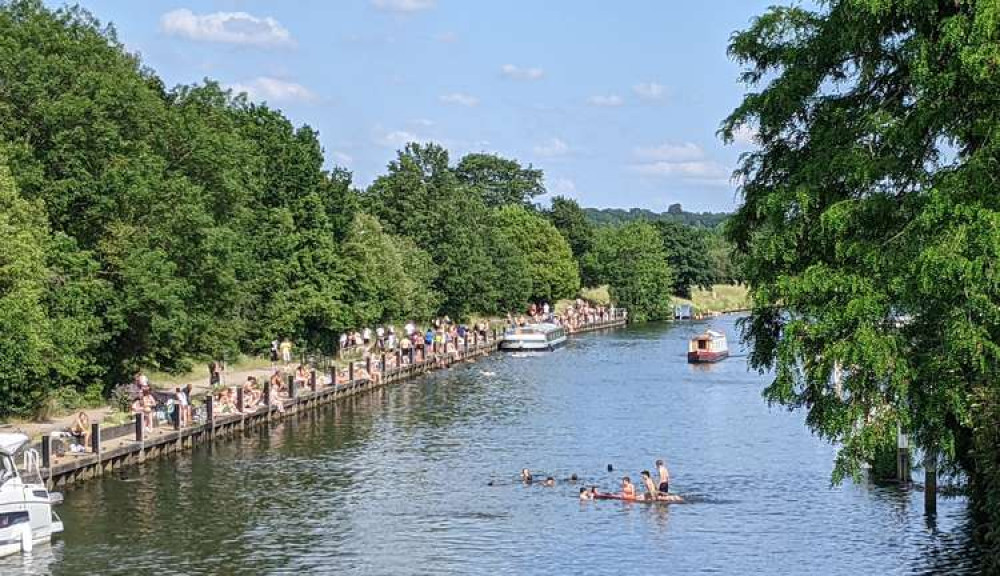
(31, 470)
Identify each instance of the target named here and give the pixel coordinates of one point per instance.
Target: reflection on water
(422, 479)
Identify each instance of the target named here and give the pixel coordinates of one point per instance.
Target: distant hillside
(674, 213)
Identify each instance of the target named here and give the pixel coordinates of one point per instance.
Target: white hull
(513, 343)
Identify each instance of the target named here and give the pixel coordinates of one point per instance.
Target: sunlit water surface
(398, 482)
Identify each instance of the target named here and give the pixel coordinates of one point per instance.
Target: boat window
(702, 344)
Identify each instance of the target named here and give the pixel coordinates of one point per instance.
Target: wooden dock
(130, 444)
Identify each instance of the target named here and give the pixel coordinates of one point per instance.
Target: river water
(398, 482)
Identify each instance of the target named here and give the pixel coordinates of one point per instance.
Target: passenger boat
(26, 515)
(533, 337)
(708, 347)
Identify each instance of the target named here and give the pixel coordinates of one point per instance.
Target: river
(399, 482)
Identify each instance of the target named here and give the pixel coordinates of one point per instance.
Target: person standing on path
(286, 351)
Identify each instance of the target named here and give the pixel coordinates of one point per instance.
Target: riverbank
(119, 446)
(719, 299)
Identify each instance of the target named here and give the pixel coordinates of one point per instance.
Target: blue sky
(618, 102)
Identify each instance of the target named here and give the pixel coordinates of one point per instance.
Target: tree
(870, 225)
(688, 255)
(25, 331)
(550, 265)
(500, 181)
(632, 261)
(422, 199)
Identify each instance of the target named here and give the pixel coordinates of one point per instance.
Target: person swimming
(549, 482)
(586, 494)
(647, 482)
(525, 476)
(628, 489)
(661, 469)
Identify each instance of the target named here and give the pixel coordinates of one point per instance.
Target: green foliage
(687, 253)
(631, 260)
(500, 181)
(870, 226)
(25, 330)
(421, 198)
(618, 216)
(571, 221)
(549, 261)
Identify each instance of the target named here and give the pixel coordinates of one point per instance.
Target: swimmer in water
(526, 476)
(586, 494)
(550, 481)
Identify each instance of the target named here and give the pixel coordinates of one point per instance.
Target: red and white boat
(708, 347)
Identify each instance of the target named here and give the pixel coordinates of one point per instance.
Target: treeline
(146, 226)
(675, 213)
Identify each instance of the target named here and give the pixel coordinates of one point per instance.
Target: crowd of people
(574, 317)
(369, 352)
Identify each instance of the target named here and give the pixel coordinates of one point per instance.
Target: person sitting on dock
(647, 481)
(80, 429)
(277, 383)
(661, 469)
(628, 489)
(251, 397)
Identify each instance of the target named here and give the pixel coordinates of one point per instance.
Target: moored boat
(26, 515)
(533, 337)
(662, 499)
(710, 346)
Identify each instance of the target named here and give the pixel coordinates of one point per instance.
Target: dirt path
(35, 430)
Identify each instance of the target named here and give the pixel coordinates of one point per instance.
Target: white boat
(542, 336)
(26, 515)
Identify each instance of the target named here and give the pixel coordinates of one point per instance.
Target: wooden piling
(902, 457)
(140, 427)
(930, 486)
(95, 437)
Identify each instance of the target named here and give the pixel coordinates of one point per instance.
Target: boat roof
(710, 334)
(11, 442)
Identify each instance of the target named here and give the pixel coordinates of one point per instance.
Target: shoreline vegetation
(148, 226)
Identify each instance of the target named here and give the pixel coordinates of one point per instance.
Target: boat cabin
(711, 346)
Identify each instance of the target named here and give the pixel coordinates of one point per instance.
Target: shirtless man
(661, 469)
(651, 492)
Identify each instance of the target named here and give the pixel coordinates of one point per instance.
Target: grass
(720, 298)
(200, 371)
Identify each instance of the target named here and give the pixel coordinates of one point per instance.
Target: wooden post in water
(140, 427)
(368, 366)
(350, 373)
(381, 366)
(902, 456)
(293, 388)
(312, 379)
(267, 397)
(930, 485)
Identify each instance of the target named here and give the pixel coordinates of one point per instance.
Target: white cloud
(342, 159)
(694, 170)
(460, 99)
(551, 148)
(684, 152)
(687, 161)
(403, 5)
(562, 186)
(226, 27)
(519, 73)
(396, 139)
(610, 101)
(422, 122)
(275, 89)
(650, 91)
